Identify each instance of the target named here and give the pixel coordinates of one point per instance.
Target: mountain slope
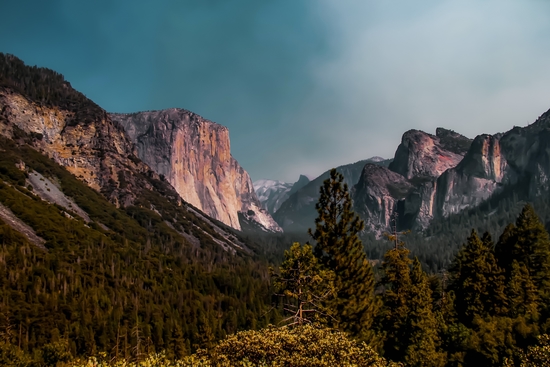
(116, 249)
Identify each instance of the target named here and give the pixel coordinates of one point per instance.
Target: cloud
(302, 85)
(475, 67)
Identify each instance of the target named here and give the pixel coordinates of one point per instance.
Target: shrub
(302, 346)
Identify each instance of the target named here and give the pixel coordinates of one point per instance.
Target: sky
(302, 85)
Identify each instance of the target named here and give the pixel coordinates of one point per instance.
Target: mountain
(95, 246)
(519, 159)
(193, 154)
(273, 193)
(422, 158)
(434, 176)
(298, 213)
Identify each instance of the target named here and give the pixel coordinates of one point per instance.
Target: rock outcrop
(298, 213)
(97, 151)
(493, 162)
(377, 194)
(422, 158)
(193, 154)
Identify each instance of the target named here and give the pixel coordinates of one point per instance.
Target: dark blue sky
(303, 85)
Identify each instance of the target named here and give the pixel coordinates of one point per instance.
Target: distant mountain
(434, 176)
(297, 213)
(273, 193)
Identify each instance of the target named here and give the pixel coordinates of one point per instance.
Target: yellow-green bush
(303, 346)
(538, 355)
(299, 346)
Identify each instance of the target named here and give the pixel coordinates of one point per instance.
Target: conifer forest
(93, 298)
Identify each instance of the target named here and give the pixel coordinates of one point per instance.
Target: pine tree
(532, 247)
(339, 249)
(476, 280)
(305, 285)
(395, 306)
(522, 293)
(422, 326)
(523, 251)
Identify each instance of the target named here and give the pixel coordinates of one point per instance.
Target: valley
(128, 235)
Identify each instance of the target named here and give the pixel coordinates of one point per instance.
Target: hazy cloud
(303, 85)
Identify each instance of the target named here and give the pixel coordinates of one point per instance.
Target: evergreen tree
(522, 293)
(305, 285)
(528, 242)
(476, 280)
(424, 341)
(395, 306)
(339, 249)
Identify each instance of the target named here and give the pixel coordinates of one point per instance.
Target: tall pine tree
(305, 286)
(395, 306)
(339, 249)
(527, 243)
(422, 326)
(476, 280)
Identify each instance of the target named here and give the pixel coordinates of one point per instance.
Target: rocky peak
(484, 159)
(453, 141)
(377, 193)
(298, 212)
(423, 155)
(194, 155)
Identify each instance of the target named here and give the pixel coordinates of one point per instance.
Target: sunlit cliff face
(194, 155)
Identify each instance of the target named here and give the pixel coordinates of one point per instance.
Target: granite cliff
(407, 188)
(518, 160)
(377, 194)
(422, 158)
(40, 110)
(298, 212)
(193, 154)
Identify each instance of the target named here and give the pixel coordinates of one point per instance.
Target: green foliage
(423, 340)
(476, 280)
(407, 319)
(339, 249)
(305, 285)
(528, 243)
(56, 352)
(136, 287)
(12, 356)
(537, 355)
(395, 308)
(303, 346)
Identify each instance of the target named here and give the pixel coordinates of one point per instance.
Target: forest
(91, 296)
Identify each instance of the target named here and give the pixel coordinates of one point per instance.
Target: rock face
(273, 193)
(474, 179)
(447, 173)
(298, 213)
(97, 151)
(520, 156)
(377, 194)
(193, 154)
(422, 158)
(425, 156)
